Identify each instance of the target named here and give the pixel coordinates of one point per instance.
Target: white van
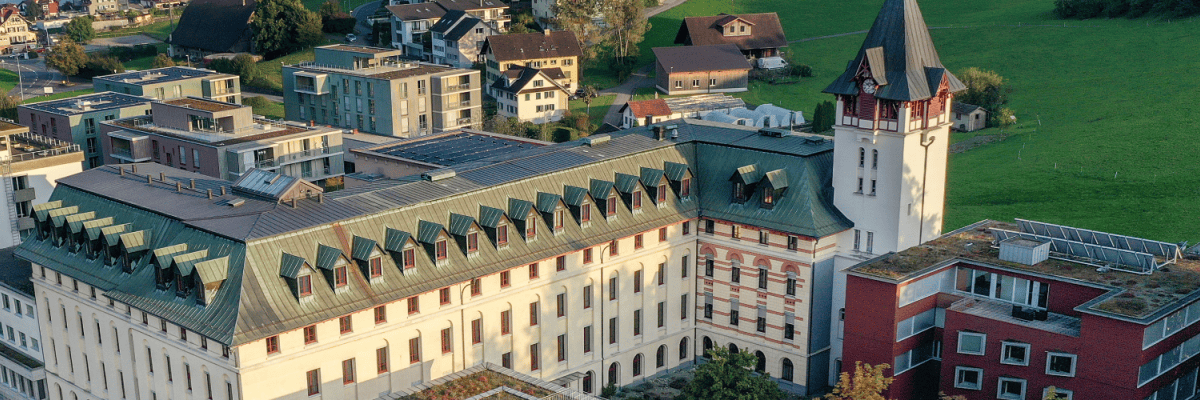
(772, 63)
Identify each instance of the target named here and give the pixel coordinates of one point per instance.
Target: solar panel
(1123, 242)
(1142, 262)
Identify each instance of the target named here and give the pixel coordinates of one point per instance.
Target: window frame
(1000, 388)
(957, 373)
(982, 343)
(1050, 357)
(1004, 345)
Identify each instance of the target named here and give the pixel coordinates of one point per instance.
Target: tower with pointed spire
(892, 134)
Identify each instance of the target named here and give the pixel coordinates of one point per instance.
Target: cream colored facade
(568, 65)
(535, 106)
(16, 31)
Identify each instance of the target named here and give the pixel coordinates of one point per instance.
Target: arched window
(761, 365)
(708, 345)
(787, 373)
(862, 157)
(587, 381)
(683, 348)
(874, 159)
(637, 365)
(733, 348)
(660, 358)
(612, 374)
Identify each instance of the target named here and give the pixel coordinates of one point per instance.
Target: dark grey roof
(456, 147)
(417, 11)
(263, 240)
(470, 5)
(219, 26)
(524, 46)
(900, 40)
(158, 75)
(88, 103)
(718, 57)
(766, 32)
(15, 272)
(455, 24)
(522, 76)
(964, 108)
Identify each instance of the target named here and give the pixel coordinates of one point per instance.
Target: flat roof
(455, 147)
(260, 129)
(1139, 295)
(204, 104)
(159, 75)
(387, 70)
(88, 103)
(15, 272)
(359, 49)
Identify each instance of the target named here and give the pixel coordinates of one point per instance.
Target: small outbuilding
(968, 118)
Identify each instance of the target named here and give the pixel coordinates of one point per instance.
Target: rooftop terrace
(202, 104)
(26, 151)
(261, 129)
(487, 382)
(1136, 295)
(387, 69)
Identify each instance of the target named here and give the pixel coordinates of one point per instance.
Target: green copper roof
(490, 217)
(395, 240)
(428, 232)
(460, 224)
(327, 257)
(626, 183)
(519, 209)
(361, 248)
(574, 196)
(547, 202)
(214, 270)
(289, 265)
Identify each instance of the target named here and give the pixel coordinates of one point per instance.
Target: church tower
(892, 132)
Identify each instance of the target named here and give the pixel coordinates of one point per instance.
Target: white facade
(406, 35)
(29, 180)
(537, 107)
(19, 331)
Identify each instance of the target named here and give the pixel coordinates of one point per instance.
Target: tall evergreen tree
(282, 27)
(727, 376)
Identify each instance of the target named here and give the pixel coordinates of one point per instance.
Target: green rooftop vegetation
(475, 384)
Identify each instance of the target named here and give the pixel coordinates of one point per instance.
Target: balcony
(1005, 312)
(458, 87)
(306, 155)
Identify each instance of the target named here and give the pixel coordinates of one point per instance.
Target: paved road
(361, 13)
(34, 77)
(120, 41)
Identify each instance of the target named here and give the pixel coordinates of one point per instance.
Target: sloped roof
(912, 69)
(417, 11)
(214, 25)
(455, 24)
(767, 32)
(470, 5)
(642, 108)
(522, 77)
(964, 108)
(524, 46)
(719, 57)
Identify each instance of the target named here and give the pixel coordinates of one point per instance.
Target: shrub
(98, 65)
(802, 70)
(256, 101)
(339, 23)
(823, 117)
(608, 391)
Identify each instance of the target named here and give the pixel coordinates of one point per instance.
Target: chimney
(210, 194)
(149, 179)
(321, 198)
(656, 95)
(222, 190)
(293, 202)
(658, 132)
(192, 183)
(546, 32)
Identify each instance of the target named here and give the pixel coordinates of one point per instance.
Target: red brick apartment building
(1005, 311)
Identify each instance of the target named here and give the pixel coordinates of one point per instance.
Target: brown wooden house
(701, 69)
(756, 35)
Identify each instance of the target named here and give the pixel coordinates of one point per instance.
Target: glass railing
(461, 86)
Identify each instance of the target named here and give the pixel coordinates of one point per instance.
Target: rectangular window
(533, 271)
(612, 288)
(444, 296)
(310, 334)
(789, 331)
(502, 235)
(477, 331)
(763, 276)
(612, 330)
(381, 360)
(506, 360)
(585, 213)
(587, 297)
(733, 315)
(968, 378)
(505, 322)
(971, 343)
(1011, 388)
(476, 287)
(560, 263)
(662, 311)
(1060, 364)
(339, 277)
(314, 382)
(441, 250)
(637, 242)
(533, 313)
(637, 281)
(348, 371)
(272, 347)
(637, 322)
(613, 248)
(447, 343)
(413, 305)
(380, 314)
(505, 280)
(683, 306)
(561, 304)
(414, 350)
(587, 255)
(562, 348)
(1013, 353)
(472, 242)
(761, 324)
(410, 258)
(587, 339)
(345, 325)
(535, 361)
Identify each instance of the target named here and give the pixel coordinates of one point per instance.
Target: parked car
(351, 38)
(772, 63)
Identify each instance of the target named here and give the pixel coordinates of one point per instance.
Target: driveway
(361, 13)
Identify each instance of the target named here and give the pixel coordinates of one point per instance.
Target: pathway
(638, 79)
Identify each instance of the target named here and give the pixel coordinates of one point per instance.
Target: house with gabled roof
(213, 26)
(545, 49)
(756, 35)
(531, 94)
(458, 37)
(717, 68)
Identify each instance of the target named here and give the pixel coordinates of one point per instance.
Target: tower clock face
(869, 86)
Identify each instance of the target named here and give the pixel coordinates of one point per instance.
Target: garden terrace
(487, 381)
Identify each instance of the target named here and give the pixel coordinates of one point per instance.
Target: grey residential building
(373, 90)
(77, 119)
(173, 83)
(458, 37)
(224, 140)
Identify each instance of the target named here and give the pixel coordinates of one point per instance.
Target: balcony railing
(269, 163)
(122, 153)
(461, 86)
(467, 120)
(464, 103)
(320, 151)
(306, 88)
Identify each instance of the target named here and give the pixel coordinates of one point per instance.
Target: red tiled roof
(655, 107)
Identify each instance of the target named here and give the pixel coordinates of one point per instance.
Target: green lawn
(1106, 125)
(8, 80)
(58, 95)
(347, 5)
(272, 110)
(144, 63)
(272, 70)
(157, 30)
(600, 107)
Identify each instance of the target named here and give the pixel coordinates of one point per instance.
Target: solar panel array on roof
(1139, 262)
(1098, 238)
(455, 149)
(88, 103)
(167, 74)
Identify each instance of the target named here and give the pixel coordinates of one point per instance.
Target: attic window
(739, 192)
(304, 285)
(339, 276)
(768, 197)
(611, 208)
(637, 199)
(531, 227)
(441, 249)
(409, 258)
(585, 213)
(472, 242)
(502, 235)
(558, 219)
(376, 267)
(685, 187)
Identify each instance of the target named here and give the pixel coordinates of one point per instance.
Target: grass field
(1105, 121)
(273, 110)
(157, 30)
(600, 107)
(8, 80)
(58, 95)
(144, 63)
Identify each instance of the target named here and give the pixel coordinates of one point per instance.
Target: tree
(33, 11)
(80, 29)
(521, 23)
(576, 17)
(727, 376)
(986, 89)
(162, 60)
(589, 93)
(67, 57)
(242, 65)
(284, 26)
(823, 117)
(626, 27)
(1003, 117)
(867, 383)
(329, 9)
(8, 106)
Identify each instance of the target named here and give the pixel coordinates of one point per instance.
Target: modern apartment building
(24, 375)
(546, 49)
(30, 164)
(173, 83)
(77, 119)
(606, 260)
(371, 89)
(223, 140)
(1009, 311)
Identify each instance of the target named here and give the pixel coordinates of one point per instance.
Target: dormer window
(409, 257)
(768, 197)
(376, 267)
(340, 278)
(559, 216)
(739, 192)
(472, 242)
(304, 283)
(441, 249)
(685, 187)
(611, 206)
(662, 193)
(585, 213)
(531, 227)
(502, 235)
